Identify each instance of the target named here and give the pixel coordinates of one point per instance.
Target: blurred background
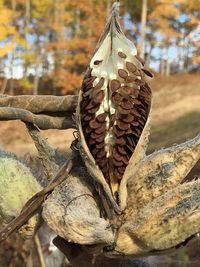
(45, 48)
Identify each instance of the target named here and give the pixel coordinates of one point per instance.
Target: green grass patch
(166, 134)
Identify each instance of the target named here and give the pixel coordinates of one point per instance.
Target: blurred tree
(53, 40)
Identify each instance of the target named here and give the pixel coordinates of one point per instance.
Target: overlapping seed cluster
(113, 115)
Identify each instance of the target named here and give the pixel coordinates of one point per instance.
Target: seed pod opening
(116, 101)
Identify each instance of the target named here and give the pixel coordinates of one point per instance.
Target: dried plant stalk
(42, 121)
(40, 103)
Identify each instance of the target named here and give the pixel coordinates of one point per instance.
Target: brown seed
(116, 98)
(88, 73)
(116, 155)
(121, 170)
(100, 145)
(101, 153)
(125, 160)
(122, 73)
(131, 141)
(120, 141)
(94, 124)
(94, 109)
(131, 148)
(126, 91)
(95, 135)
(126, 104)
(101, 117)
(131, 78)
(97, 62)
(121, 54)
(112, 119)
(117, 131)
(105, 168)
(87, 117)
(135, 92)
(88, 130)
(100, 83)
(143, 111)
(138, 131)
(84, 103)
(117, 163)
(91, 142)
(127, 118)
(140, 59)
(98, 97)
(135, 112)
(101, 138)
(89, 80)
(135, 133)
(142, 120)
(90, 105)
(101, 129)
(147, 72)
(102, 162)
(135, 123)
(123, 111)
(117, 174)
(122, 125)
(121, 150)
(94, 92)
(88, 92)
(144, 94)
(129, 131)
(131, 67)
(114, 85)
(135, 101)
(140, 82)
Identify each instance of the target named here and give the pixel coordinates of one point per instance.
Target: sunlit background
(45, 48)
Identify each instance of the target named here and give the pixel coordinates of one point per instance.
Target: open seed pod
(113, 110)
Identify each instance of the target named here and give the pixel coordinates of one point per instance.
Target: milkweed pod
(112, 114)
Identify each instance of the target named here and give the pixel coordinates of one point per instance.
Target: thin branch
(43, 122)
(48, 155)
(39, 251)
(40, 103)
(35, 202)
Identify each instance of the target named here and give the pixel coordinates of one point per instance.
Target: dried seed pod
(118, 98)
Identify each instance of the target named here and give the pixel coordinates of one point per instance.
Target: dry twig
(40, 103)
(48, 155)
(43, 122)
(39, 251)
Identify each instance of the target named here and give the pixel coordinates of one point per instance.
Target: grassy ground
(176, 131)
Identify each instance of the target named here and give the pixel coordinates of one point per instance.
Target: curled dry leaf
(113, 110)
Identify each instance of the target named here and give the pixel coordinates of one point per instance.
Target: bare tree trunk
(186, 56)
(4, 85)
(167, 68)
(143, 31)
(11, 73)
(37, 76)
(148, 58)
(26, 25)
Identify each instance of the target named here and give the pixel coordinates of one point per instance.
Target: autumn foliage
(47, 44)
